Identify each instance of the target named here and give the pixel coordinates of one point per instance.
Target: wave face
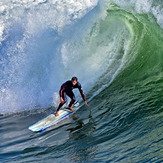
(44, 44)
(114, 48)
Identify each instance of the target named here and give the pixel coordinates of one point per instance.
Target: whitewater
(114, 48)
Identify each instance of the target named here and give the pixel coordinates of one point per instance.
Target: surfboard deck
(52, 119)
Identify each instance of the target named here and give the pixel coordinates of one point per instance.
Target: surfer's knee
(63, 102)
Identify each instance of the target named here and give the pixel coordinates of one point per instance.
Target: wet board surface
(52, 119)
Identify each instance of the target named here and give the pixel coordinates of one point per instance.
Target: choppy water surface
(114, 48)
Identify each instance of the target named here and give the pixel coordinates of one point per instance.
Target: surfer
(66, 89)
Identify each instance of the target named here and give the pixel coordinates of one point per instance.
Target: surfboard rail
(52, 119)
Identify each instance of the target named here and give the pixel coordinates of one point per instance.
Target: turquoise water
(114, 48)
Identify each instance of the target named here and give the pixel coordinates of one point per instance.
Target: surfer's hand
(86, 103)
(61, 100)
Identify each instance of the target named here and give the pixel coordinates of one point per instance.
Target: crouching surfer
(66, 89)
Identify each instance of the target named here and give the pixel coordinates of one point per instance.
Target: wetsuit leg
(72, 96)
(64, 98)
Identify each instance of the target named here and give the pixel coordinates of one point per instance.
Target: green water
(115, 48)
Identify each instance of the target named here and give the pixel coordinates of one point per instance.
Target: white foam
(46, 43)
(1, 32)
(31, 63)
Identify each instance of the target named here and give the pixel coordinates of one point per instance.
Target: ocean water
(114, 47)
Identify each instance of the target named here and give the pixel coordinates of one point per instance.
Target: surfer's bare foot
(57, 114)
(71, 108)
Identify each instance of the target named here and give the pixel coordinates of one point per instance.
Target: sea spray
(48, 44)
(43, 44)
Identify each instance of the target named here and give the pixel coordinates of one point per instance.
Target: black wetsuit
(66, 89)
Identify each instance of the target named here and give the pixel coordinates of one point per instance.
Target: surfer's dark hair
(74, 78)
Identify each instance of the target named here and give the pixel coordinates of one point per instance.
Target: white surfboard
(52, 119)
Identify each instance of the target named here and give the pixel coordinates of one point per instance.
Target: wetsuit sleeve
(62, 90)
(82, 94)
(81, 91)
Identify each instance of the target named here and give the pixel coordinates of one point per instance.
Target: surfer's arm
(82, 94)
(78, 85)
(63, 88)
(61, 92)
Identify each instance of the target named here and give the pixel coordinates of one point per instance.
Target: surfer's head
(74, 80)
